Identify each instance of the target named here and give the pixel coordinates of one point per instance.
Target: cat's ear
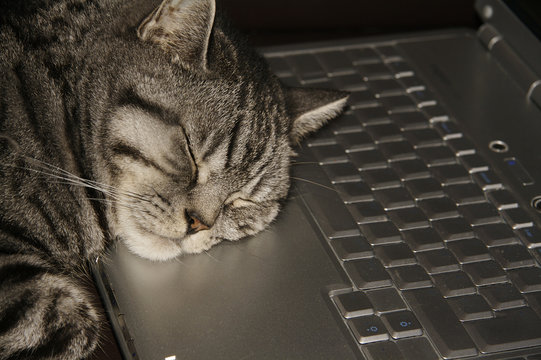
(310, 109)
(182, 28)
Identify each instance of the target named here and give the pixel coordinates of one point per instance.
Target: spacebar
(440, 323)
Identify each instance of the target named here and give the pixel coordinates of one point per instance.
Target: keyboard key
(423, 98)
(368, 160)
(410, 169)
(410, 120)
(453, 284)
(422, 138)
(485, 273)
(400, 69)
(335, 63)
(363, 56)
(348, 82)
(439, 208)
(374, 71)
(474, 163)
(440, 323)
(368, 329)
(469, 250)
(384, 133)
(279, 66)
(372, 115)
(355, 141)
(530, 236)
(329, 154)
(341, 173)
(496, 235)
(381, 178)
(451, 174)
(423, 239)
(307, 67)
(353, 304)
(512, 256)
(502, 296)
(367, 273)
(381, 233)
(389, 53)
(438, 261)
(517, 218)
(502, 332)
(354, 192)
(435, 113)
(345, 124)
(395, 198)
(461, 146)
(417, 349)
(395, 255)
(487, 180)
(448, 130)
(422, 189)
(324, 137)
(367, 212)
(382, 350)
(352, 247)
(437, 155)
(412, 83)
(502, 199)
(410, 277)
(527, 279)
(362, 99)
(534, 301)
(408, 218)
(386, 300)
(402, 324)
(464, 194)
(471, 307)
(398, 151)
(385, 87)
(453, 229)
(333, 218)
(480, 214)
(398, 103)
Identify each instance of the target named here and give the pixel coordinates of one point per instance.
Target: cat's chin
(158, 248)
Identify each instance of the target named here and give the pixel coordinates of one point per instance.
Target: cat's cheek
(150, 246)
(198, 242)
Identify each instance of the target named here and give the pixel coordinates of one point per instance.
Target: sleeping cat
(161, 129)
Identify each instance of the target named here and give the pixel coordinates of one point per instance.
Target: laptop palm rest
(269, 290)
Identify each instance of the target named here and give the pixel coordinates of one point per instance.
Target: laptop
(413, 227)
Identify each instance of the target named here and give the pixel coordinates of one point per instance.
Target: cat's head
(199, 150)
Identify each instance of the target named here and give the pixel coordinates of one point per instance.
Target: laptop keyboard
(443, 262)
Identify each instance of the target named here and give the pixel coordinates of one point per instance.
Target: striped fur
(163, 131)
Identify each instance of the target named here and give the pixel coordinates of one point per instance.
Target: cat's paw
(45, 316)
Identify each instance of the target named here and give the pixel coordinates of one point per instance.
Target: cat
(154, 124)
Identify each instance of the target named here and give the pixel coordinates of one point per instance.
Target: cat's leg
(43, 314)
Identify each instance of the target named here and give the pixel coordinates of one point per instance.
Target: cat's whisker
(98, 186)
(304, 163)
(212, 257)
(315, 183)
(59, 173)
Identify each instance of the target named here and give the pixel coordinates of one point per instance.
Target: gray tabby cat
(164, 131)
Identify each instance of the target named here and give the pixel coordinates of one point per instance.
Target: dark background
(274, 22)
(271, 22)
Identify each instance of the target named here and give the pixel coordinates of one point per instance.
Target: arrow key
(368, 329)
(402, 324)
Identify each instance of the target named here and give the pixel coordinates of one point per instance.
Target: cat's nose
(194, 223)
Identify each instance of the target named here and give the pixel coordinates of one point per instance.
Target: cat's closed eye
(168, 134)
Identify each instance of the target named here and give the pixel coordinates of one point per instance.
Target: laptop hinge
(527, 80)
